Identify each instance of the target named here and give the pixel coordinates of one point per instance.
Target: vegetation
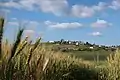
(81, 51)
(24, 61)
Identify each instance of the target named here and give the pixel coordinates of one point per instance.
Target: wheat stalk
(15, 45)
(1, 34)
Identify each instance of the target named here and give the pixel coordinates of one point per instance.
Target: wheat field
(24, 60)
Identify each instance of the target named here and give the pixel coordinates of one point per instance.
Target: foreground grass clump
(26, 61)
(112, 70)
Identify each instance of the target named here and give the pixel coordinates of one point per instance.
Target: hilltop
(81, 49)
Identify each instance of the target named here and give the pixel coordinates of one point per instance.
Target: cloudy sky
(96, 21)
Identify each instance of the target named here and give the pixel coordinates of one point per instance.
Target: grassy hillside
(85, 53)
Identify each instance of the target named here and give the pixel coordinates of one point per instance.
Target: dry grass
(112, 70)
(25, 61)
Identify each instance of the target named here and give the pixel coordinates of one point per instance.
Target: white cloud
(29, 31)
(48, 22)
(24, 4)
(32, 24)
(26, 23)
(95, 34)
(63, 25)
(32, 34)
(28, 4)
(11, 4)
(101, 24)
(15, 19)
(115, 4)
(101, 6)
(61, 7)
(12, 23)
(82, 11)
(57, 7)
(87, 11)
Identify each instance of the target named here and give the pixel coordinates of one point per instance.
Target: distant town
(84, 45)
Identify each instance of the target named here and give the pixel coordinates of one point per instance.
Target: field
(94, 56)
(90, 55)
(24, 60)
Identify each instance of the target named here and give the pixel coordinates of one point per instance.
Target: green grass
(91, 55)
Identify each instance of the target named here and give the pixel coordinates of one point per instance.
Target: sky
(95, 21)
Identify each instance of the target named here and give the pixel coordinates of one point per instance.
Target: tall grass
(112, 70)
(26, 61)
(1, 33)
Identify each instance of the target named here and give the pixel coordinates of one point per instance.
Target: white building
(51, 41)
(77, 43)
(91, 47)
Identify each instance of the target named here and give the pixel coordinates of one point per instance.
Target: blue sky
(95, 21)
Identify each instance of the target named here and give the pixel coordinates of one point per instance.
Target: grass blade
(17, 42)
(1, 34)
